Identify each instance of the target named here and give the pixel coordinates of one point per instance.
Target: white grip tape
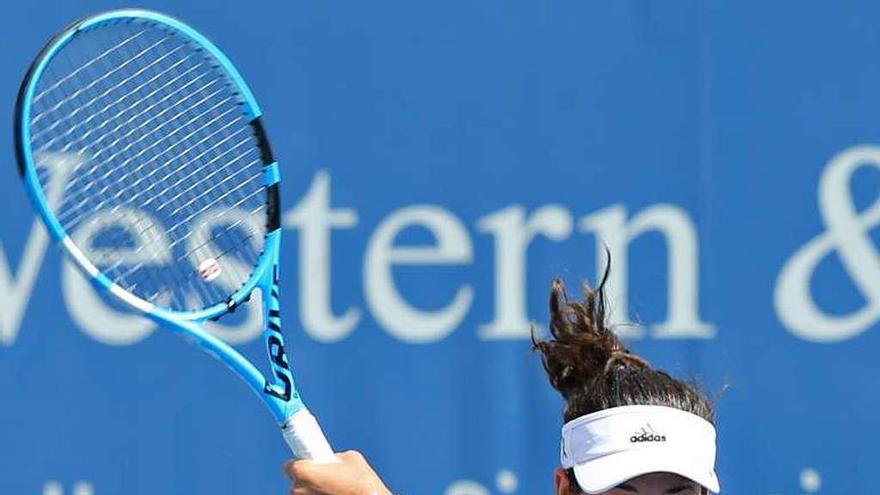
(304, 436)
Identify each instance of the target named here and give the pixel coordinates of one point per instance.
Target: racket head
(140, 120)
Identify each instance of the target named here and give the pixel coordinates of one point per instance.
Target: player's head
(629, 428)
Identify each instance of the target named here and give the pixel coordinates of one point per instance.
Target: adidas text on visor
(612, 446)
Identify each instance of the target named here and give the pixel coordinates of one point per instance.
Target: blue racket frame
(278, 392)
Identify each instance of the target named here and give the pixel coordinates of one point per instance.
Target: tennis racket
(143, 151)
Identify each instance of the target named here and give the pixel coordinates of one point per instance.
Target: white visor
(612, 446)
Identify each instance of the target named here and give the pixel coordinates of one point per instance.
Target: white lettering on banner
(88, 310)
(506, 481)
(92, 314)
(846, 233)
(452, 247)
(513, 232)
(316, 218)
(682, 255)
(80, 488)
(15, 291)
(466, 487)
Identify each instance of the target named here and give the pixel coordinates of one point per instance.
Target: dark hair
(593, 369)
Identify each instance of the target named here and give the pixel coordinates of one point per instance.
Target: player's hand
(352, 475)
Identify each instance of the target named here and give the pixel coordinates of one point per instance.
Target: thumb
(310, 473)
(298, 469)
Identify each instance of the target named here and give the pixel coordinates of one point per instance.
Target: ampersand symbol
(847, 234)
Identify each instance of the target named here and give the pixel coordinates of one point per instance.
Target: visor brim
(605, 473)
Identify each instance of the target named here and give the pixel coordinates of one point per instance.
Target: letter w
(15, 290)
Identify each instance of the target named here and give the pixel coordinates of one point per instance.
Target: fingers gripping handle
(304, 436)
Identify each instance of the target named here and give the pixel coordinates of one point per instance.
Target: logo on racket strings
(209, 269)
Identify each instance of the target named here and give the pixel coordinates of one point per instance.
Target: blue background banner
(441, 163)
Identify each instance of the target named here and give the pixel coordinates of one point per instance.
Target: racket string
(208, 177)
(101, 140)
(123, 150)
(121, 112)
(160, 194)
(96, 98)
(219, 215)
(185, 222)
(38, 117)
(124, 56)
(88, 64)
(192, 277)
(86, 193)
(95, 73)
(187, 256)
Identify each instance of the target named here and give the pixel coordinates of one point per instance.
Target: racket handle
(306, 439)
